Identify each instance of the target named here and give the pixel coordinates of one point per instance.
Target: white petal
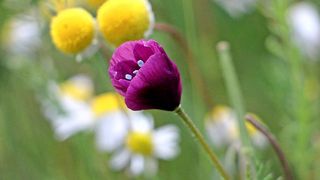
(141, 122)
(111, 131)
(70, 122)
(222, 132)
(166, 142)
(137, 164)
(120, 159)
(69, 125)
(259, 140)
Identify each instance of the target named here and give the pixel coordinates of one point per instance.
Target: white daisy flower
(222, 127)
(68, 110)
(112, 120)
(142, 145)
(79, 111)
(304, 20)
(21, 36)
(236, 8)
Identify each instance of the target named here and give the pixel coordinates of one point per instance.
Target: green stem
(275, 145)
(235, 96)
(199, 137)
(233, 88)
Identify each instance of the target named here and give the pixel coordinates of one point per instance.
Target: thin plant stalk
(233, 88)
(235, 96)
(275, 145)
(194, 70)
(199, 137)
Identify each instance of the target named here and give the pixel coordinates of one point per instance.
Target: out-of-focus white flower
(69, 111)
(237, 8)
(142, 145)
(21, 37)
(77, 110)
(23, 33)
(222, 127)
(112, 121)
(305, 23)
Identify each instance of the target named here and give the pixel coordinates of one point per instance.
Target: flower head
(142, 72)
(142, 145)
(103, 113)
(111, 120)
(22, 33)
(68, 110)
(305, 23)
(222, 128)
(72, 30)
(125, 20)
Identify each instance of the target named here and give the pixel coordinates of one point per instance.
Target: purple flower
(142, 72)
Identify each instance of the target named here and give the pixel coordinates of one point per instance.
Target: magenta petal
(121, 86)
(123, 68)
(156, 86)
(142, 52)
(123, 53)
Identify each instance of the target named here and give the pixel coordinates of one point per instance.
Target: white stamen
(140, 63)
(135, 71)
(128, 76)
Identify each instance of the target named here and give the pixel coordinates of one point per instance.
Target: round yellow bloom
(72, 30)
(107, 102)
(140, 143)
(125, 20)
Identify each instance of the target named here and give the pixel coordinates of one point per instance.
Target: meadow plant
(82, 80)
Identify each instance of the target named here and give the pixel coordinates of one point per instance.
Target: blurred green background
(28, 149)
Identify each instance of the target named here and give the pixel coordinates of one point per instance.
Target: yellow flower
(72, 30)
(107, 102)
(125, 20)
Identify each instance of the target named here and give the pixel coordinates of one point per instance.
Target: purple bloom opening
(142, 72)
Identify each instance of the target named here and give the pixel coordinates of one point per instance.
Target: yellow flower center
(220, 111)
(74, 91)
(95, 3)
(72, 30)
(140, 143)
(107, 102)
(124, 20)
